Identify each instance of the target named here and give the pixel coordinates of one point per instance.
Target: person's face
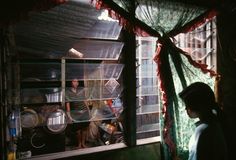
(191, 113)
(75, 83)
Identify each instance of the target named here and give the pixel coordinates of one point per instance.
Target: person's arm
(68, 112)
(88, 106)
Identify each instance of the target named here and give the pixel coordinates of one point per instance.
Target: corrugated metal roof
(55, 31)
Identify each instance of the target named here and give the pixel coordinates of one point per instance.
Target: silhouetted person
(208, 140)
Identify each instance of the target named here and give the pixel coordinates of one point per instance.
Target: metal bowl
(56, 121)
(29, 118)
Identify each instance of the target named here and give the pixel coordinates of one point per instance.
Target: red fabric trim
(99, 4)
(197, 22)
(126, 24)
(203, 67)
(167, 120)
(200, 20)
(136, 29)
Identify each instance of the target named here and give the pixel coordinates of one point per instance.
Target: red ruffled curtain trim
(11, 13)
(203, 67)
(126, 24)
(166, 117)
(138, 31)
(99, 4)
(167, 120)
(197, 22)
(158, 61)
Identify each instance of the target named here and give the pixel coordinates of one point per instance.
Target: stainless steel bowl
(56, 121)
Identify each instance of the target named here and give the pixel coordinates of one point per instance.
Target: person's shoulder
(200, 127)
(211, 143)
(212, 133)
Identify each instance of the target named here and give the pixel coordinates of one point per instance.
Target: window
(201, 44)
(94, 59)
(147, 89)
(47, 106)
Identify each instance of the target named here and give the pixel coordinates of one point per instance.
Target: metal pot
(56, 122)
(29, 118)
(54, 96)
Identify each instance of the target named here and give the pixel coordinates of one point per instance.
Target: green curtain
(163, 16)
(165, 19)
(176, 71)
(185, 125)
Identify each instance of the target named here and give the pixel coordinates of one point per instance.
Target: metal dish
(56, 121)
(29, 118)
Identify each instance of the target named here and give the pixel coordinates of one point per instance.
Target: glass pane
(96, 49)
(147, 90)
(105, 30)
(40, 95)
(51, 117)
(146, 70)
(94, 93)
(146, 48)
(33, 72)
(148, 125)
(89, 71)
(147, 102)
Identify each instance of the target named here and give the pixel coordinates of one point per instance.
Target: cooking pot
(56, 121)
(54, 96)
(29, 118)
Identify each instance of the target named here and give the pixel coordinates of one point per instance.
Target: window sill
(148, 140)
(78, 152)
